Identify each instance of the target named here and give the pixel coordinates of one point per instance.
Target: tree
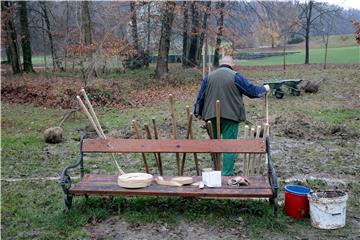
(194, 40)
(25, 37)
(185, 49)
(203, 29)
(11, 43)
(148, 24)
(134, 32)
(219, 24)
(164, 45)
(310, 12)
(56, 62)
(357, 30)
(327, 29)
(86, 37)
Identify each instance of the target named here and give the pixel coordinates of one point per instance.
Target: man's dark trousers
(229, 130)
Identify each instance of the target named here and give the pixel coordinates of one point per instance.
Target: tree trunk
(164, 45)
(44, 43)
(66, 34)
(194, 35)
(11, 43)
(204, 29)
(25, 37)
(185, 52)
(85, 23)
(219, 24)
(8, 53)
(134, 33)
(148, 29)
(284, 53)
(307, 31)
(55, 59)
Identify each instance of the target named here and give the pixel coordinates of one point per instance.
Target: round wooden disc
(135, 180)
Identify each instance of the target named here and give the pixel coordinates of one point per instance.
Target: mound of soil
(298, 126)
(344, 132)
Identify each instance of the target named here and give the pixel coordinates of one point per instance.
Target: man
(228, 86)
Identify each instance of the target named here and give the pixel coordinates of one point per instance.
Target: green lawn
(335, 41)
(343, 55)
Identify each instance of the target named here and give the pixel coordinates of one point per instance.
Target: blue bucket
(297, 189)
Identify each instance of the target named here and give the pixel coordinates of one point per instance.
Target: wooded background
(85, 36)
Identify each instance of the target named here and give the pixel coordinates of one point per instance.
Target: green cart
(290, 84)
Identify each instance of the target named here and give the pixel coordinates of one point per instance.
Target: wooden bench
(261, 186)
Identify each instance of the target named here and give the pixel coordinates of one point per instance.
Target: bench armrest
(271, 171)
(65, 180)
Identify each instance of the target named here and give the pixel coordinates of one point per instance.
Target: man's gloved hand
(267, 87)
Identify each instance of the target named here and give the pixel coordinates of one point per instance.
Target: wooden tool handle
(82, 105)
(218, 130)
(92, 112)
(138, 136)
(172, 108)
(159, 155)
(267, 107)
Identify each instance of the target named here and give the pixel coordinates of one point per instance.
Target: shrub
(295, 39)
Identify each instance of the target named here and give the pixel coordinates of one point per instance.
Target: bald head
(227, 60)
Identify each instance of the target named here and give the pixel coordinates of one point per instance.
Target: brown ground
(117, 228)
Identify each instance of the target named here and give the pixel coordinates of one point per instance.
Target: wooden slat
(107, 185)
(173, 146)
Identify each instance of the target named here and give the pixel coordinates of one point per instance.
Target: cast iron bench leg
(68, 201)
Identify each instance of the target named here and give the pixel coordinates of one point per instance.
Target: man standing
(228, 86)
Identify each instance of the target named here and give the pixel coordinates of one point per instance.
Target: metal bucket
(328, 209)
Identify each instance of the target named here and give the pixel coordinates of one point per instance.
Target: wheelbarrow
(290, 84)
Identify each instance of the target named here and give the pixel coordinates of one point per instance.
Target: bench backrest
(115, 145)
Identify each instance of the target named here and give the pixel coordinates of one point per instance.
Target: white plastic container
(211, 178)
(328, 209)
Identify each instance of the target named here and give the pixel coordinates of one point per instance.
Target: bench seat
(92, 184)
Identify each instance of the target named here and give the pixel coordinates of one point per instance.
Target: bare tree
(55, 59)
(204, 29)
(219, 31)
(310, 11)
(85, 23)
(11, 43)
(326, 31)
(25, 37)
(134, 32)
(194, 42)
(185, 49)
(164, 45)
(148, 24)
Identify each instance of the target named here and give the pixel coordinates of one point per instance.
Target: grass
(342, 55)
(37, 60)
(34, 209)
(335, 41)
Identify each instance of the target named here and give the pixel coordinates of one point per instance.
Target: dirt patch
(343, 131)
(118, 228)
(298, 126)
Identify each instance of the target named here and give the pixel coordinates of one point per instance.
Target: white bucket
(328, 209)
